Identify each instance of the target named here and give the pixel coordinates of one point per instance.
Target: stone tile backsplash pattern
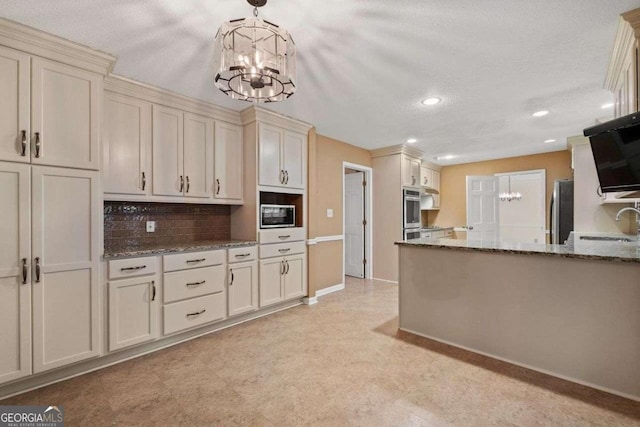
(125, 224)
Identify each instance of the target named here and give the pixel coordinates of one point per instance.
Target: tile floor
(341, 362)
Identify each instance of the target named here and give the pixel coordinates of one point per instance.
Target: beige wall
(453, 200)
(325, 192)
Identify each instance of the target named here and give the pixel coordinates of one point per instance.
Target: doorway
(356, 216)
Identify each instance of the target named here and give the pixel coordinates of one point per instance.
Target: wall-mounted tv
(616, 151)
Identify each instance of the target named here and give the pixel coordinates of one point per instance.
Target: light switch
(151, 226)
(329, 213)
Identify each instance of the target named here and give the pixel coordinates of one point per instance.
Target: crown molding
(397, 149)
(45, 45)
(257, 114)
(574, 141)
(626, 35)
(129, 87)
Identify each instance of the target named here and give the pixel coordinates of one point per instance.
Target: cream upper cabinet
(49, 112)
(15, 132)
(269, 142)
(410, 171)
(133, 311)
(283, 156)
(243, 287)
(65, 122)
(436, 185)
(126, 145)
(426, 177)
(15, 274)
(228, 161)
(198, 156)
(294, 277)
(168, 146)
(65, 263)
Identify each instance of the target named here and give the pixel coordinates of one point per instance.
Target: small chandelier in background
(510, 195)
(255, 60)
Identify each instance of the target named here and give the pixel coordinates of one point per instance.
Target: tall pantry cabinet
(51, 200)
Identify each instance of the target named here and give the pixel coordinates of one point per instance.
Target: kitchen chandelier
(511, 195)
(255, 60)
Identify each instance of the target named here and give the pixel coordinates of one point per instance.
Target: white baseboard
(385, 280)
(330, 289)
(310, 300)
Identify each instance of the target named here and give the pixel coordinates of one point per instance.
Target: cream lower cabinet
(243, 287)
(281, 279)
(49, 262)
(133, 311)
(66, 212)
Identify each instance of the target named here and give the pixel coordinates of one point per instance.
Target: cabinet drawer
(132, 267)
(249, 253)
(448, 234)
(279, 235)
(193, 283)
(194, 312)
(194, 260)
(282, 249)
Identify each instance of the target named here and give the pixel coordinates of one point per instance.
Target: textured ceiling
(365, 65)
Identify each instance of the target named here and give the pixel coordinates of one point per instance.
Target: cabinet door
(415, 172)
(228, 158)
(198, 156)
(270, 142)
(436, 185)
(294, 159)
(15, 251)
(65, 121)
(295, 285)
(243, 287)
(168, 179)
(407, 178)
(126, 145)
(133, 312)
(426, 176)
(66, 220)
(271, 289)
(14, 106)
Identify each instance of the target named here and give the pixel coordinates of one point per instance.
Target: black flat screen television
(616, 151)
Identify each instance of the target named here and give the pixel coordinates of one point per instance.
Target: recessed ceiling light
(431, 101)
(446, 157)
(548, 141)
(607, 106)
(540, 113)
(412, 140)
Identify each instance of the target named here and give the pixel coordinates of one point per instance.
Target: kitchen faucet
(637, 212)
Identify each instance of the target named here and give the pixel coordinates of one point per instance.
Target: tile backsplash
(125, 224)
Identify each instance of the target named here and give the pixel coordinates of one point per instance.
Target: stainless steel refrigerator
(561, 211)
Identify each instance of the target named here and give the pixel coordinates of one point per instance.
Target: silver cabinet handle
(139, 267)
(284, 251)
(242, 255)
(144, 181)
(188, 184)
(189, 261)
(281, 176)
(287, 264)
(217, 186)
(181, 183)
(153, 287)
(37, 264)
(413, 180)
(284, 237)
(286, 177)
(196, 313)
(25, 271)
(24, 143)
(232, 277)
(196, 283)
(37, 144)
(281, 268)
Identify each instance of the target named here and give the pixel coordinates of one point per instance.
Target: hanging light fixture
(255, 60)
(511, 195)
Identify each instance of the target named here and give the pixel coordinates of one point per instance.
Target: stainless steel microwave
(277, 216)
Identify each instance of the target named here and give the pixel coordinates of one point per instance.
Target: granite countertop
(603, 251)
(124, 252)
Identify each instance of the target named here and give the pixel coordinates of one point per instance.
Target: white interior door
(15, 285)
(353, 224)
(523, 221)
(14, 105)
(482, 208)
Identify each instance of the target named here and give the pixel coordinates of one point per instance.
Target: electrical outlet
(151, 226)
(329, 213)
